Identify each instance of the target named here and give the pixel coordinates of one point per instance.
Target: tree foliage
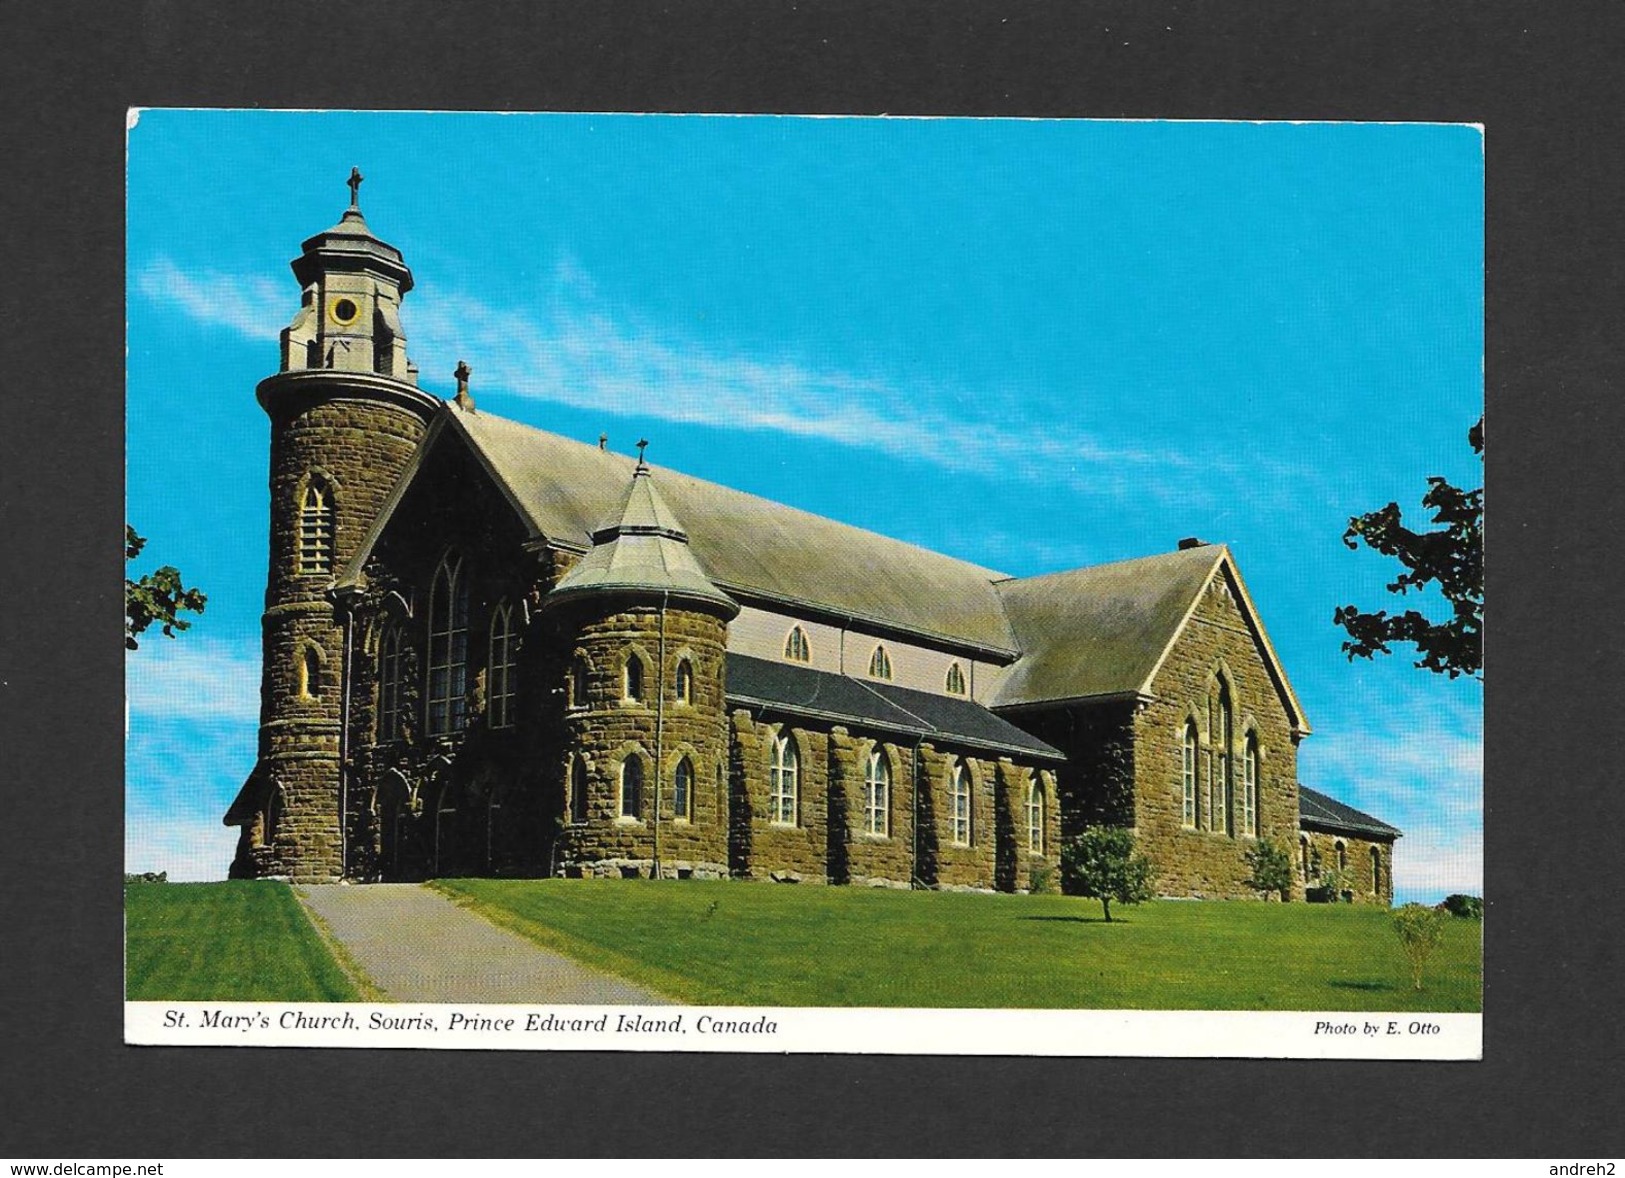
(1272, 869)
(1449, 556)
(157, 597)
(1420, 930)
(1101, 863)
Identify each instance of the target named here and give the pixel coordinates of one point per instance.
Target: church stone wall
(1203, 863)
(358, 449)
(874, 859)
(1322, 854)
(612, 728)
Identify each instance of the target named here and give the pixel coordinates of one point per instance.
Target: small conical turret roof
(642, 550)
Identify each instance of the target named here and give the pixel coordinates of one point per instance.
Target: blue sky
(1031, 344)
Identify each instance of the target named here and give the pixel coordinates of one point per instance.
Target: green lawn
(776, 945)
(239, 941)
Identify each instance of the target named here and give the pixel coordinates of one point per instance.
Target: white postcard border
(797, 1030)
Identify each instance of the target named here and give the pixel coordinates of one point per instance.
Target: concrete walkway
(415, 945)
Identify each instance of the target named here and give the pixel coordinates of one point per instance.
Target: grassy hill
(244, 941)
(779, 945)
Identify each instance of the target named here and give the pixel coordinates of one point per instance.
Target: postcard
(764, 583)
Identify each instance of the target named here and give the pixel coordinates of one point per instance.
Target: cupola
(352, 283)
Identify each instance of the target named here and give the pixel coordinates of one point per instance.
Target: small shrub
(1420, 930)
(1101, 863)
(1337, 884)
(1272, 869)
(1040, 878)
(1466, 907)
(147, 877)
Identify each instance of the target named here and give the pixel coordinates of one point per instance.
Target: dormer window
(796, 647)
(880, 663)
(956, 680)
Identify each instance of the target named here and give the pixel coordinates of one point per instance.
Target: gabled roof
(1106, 630)
(1317, 811)
(825, 695)
(1085, 634)
(1102, 630)
(750, 547)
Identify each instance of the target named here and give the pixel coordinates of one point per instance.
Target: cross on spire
(355, 187)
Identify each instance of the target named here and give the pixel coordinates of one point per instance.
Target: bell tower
(346, 415)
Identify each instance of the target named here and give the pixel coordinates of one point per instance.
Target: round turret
(346, 417)
(647, 762)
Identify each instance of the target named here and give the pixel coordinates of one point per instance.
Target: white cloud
(194, 678)
(193, 715)
(574, 352)
(1412, 755)
(1437, 859)
(188, 847)
(570, 350)
(253, 306)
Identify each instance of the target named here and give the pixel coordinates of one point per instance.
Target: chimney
(1191, 542)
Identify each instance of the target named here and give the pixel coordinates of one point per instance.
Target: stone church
(489, 649)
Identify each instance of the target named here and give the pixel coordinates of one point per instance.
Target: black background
(1541, 77)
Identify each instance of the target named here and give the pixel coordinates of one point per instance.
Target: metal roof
(826, 695)
(1320, 812)
(1082, 634)
(747, 545)
(645, 550)
(1102, 630)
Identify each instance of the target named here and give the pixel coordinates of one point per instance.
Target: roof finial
(355, 187)
(464, 399)
(642, 465)
(603, 441)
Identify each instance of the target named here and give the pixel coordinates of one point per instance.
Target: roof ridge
(994, 575)
(1213, 550)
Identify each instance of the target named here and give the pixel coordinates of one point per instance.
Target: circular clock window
(343, 310)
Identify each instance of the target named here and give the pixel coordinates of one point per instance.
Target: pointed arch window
(685, 681)
(1249, 788)
(273, 815)
(1220, 785)
(682, 791)
(504, 665)
(796, 647)
(578, 683)
(310, 673)
(1035, 817)
(632, 787)
(880, 663)
(632, 680)
(877, 796)
(1342, 856)
(391, 683)
(783, 781)
(959, 808)
(956, 680)
(448, 647)
(1303, 856)
(578, 790)
(1187, 778)
(1376, 871)
(316, 529)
